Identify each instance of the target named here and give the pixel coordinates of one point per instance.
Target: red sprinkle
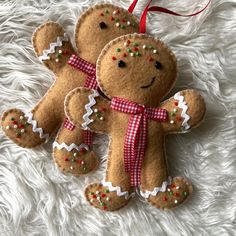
(113, 58)
(176, 194)
(105, 208)
(112, 18)
(128, 41)
(14, 122)
(94, 196)
(124, 55)
(82, 150)
(123, 20)
(164, 198)
(66, 159)
(79, 162)
(101, 14)
(150, 59)
(173, 185)
(65, 53)
(178, 118)
(103, 195)
(135, 49)
(176, 103)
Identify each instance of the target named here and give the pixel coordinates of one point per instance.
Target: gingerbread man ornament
(95, 28)
(136, 72)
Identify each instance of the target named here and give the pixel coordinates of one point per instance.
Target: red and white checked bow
(136, 135)
(90, 82)
(86, 67)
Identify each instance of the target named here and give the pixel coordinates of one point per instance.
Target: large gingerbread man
(95, 28)
(136, 72)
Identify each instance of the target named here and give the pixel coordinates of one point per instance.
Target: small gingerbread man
(95, 28)
(136, 72)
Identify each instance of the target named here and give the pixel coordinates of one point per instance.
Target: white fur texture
(36, 199)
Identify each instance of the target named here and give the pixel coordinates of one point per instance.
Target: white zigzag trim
(69, 147)
(35, 129)
(58, 43)
(117, 189)
(88, 106)
(183, 105)
(156, 190)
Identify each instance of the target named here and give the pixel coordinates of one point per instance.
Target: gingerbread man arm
(52, 46)
(186, 110)
(87, 109)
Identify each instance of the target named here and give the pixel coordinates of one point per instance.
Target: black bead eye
(102, 25)
(158, 65)
(121, 64)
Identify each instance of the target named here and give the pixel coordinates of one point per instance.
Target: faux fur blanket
(37, 199)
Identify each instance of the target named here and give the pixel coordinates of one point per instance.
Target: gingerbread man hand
(136, 72)
(72, 148)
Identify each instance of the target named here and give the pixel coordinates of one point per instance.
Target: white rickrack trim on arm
(156, 190)
(88, 109)
(183, 105)
(35, 129)
(58, 43)
(69, 147)
(117, 189)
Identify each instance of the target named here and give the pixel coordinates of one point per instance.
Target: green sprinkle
(107, 12)
(73, 159)
(92, 193)
(136, 44)
(172, 113)
(84, 168)
(122, 26)
(102, 204)
(107, 191)
(137, 54)
(12, 118)
(129, 50)
(118, 50)
(150, 47)
(171, 193)
(185, 194)
(117, 20)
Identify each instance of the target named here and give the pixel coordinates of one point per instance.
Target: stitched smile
(149, 85)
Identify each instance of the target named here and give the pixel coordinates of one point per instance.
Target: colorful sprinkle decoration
(101, 197)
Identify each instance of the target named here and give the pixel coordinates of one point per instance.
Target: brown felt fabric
(125, 82)
(90, 40)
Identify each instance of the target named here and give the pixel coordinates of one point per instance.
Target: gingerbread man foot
(22, 129)
(176, 193)
(106, 198)
(77, 160)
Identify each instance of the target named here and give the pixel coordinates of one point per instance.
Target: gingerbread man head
(143, 69)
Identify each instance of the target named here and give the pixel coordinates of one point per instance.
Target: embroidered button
(121, 64)
(158, 65)
(102, 25)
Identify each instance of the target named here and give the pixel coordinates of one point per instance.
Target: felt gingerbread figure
(136, 72)
(95, 28)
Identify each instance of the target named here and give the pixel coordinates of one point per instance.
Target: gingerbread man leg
(115, 192)
(71, 153)
(156, 186)
(52, 46)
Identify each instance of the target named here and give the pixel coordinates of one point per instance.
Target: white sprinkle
(22, 131)
(98, 198)
(21, 117)
(8, 127)
(49, 58)
(91, 200)
(60, 51)
(131, 54)
(154, 51)
(15, 126)
(168, 190)
(71, 167)
(97, 192)
(144, 46)
(128, 23)
(114, 12)
(57, 60)
(82, 162)
(108, 199)
(177, 187)
(176, 201)
(172, 122)
(96, 110)
(101, 118)
(92, 120)
(125, 44)
(74, 154)
(175, 110)
(117, 24)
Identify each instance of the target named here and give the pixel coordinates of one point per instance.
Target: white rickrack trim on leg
(35, 129)
(89, 111)
(117, 189)
(183, 105)
(69, 147)
(156, 190)
(58, 43)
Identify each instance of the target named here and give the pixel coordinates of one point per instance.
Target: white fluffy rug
(36, 199)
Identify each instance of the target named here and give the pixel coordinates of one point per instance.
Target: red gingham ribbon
(86, 67)
(136, 135)
(90, 82)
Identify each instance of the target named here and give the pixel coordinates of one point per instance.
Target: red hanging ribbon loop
(142, 26)
(132, 6)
